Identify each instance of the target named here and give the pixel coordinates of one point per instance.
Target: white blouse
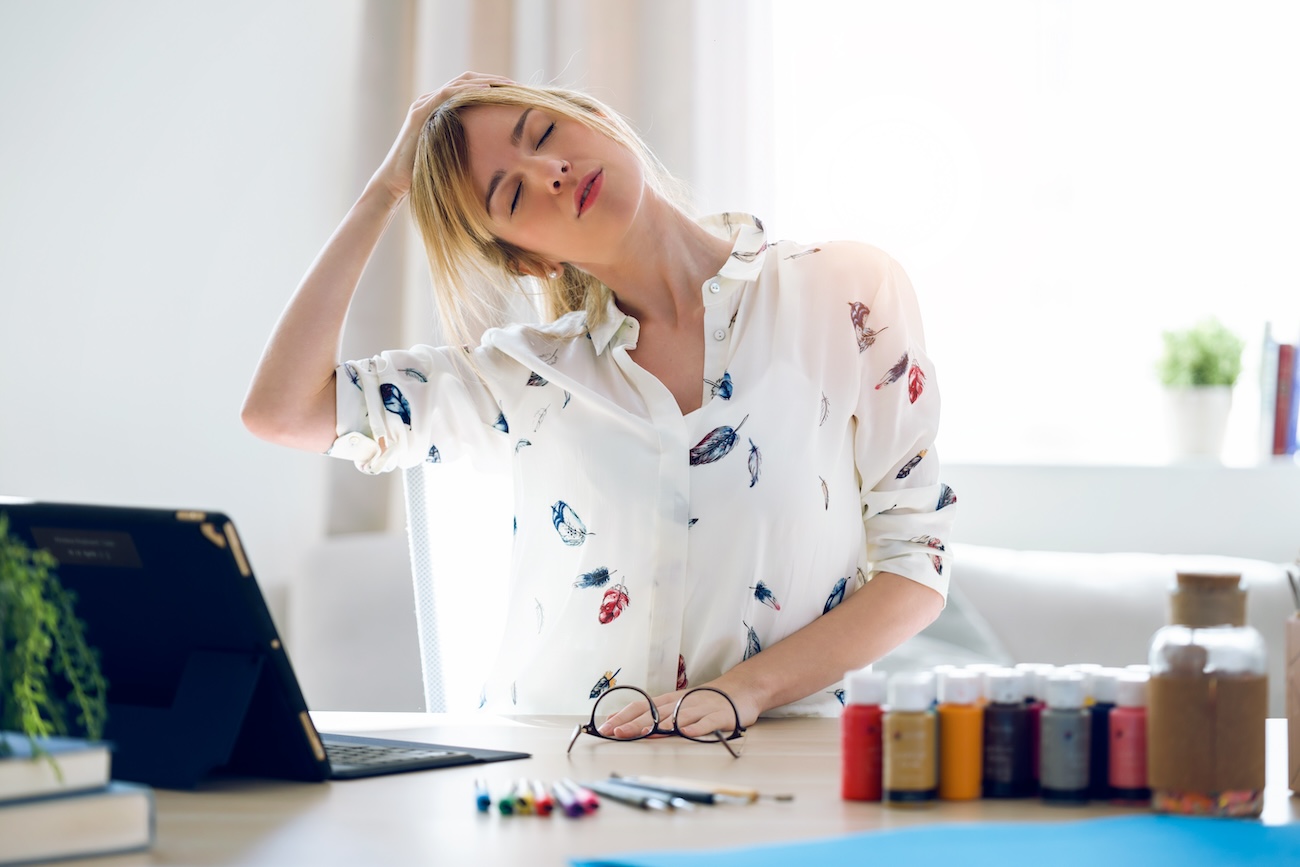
(657, 549)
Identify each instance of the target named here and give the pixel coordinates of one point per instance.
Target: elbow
(284, 428)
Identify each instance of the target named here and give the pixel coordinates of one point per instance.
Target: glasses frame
(655, 729)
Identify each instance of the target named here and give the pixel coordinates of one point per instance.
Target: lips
(587, 190)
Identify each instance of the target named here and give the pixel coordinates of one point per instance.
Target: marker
(542, 801)
(669, 783)
(483, 798)
(568, 803)
(523, 795)
(585, 797)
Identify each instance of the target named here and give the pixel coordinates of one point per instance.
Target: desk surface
(429, 817)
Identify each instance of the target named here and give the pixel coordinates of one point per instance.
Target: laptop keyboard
(371, 755)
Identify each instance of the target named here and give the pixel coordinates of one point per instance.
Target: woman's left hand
(704, 713)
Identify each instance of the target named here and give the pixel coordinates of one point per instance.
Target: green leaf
(1206, 354)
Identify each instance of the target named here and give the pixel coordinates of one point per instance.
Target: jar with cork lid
(1207, 702)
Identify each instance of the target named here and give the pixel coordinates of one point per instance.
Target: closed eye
(515, 201)
(550, 129)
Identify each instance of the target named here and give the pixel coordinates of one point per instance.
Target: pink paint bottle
(1128, 741)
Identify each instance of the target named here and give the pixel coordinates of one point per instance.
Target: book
(1282, 409)
(81, 764)
(1267, 390)
(116, 818)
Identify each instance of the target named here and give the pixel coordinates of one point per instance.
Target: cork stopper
(1208, 599)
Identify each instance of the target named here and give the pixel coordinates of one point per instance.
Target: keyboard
(351, 756)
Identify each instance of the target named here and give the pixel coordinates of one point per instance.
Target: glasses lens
(617, 700)
(701, 712)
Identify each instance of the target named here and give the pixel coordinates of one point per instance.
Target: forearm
(291, 398)
(881, 615)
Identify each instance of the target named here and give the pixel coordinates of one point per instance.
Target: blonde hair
(457, 239)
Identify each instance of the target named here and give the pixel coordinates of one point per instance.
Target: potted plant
(1198, 368)
(50, 680)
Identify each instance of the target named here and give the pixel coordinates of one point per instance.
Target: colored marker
(646, 799)
(523, 795)
(483, 798)
(568, 803)
(542, 801)
(586, 797)
(694, 795)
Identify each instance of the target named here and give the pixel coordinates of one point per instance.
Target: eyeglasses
(692, 706)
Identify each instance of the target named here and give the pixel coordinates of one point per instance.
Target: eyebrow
(516, 135)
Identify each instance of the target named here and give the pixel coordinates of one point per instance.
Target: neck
(656, 278)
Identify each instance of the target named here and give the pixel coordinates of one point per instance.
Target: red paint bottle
(860, 735)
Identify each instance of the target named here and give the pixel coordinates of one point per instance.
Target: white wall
(169, 171)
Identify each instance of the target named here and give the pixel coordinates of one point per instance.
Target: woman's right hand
(394, 173)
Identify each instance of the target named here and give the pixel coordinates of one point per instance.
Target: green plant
(46, 668)
(1206, 354)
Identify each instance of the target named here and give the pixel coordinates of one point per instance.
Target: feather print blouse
(667, 548)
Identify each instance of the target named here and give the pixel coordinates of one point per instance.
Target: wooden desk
(429, 818)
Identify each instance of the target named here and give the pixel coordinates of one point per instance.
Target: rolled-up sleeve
(905, 505)
(402, 408)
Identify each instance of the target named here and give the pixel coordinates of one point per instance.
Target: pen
(646, 799)
(666, 783)
(482, 797)
(693, 794)
(568, 803)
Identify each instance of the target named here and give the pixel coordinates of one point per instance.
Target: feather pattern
(803, 253)
(597, 577)
(858, 312)
(540, 417)
(946, 497)
(716, 444)
(434, 456)
(567, 523)
(837, 595)
(915, 382)
(567, 397)
(937, 544)
(752, 645)
(535, 379)
(415, 374)
(682, 680)
(910, 465)
(605, 682)
(826, 410)
(764, 594)
(541, 614)
(353, 373)
(395, 403)
(616, 599)
(826, 495)
(894, 373)
(721, 388)
(519, 445)
(501, 424)
(755, 463)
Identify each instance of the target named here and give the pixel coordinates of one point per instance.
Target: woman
(722, 445)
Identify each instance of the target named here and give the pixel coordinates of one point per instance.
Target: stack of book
(1279, 395)
(74, 810)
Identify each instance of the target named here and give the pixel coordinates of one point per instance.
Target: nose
(555, 172)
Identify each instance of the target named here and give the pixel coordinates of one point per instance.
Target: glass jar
(1207, 702)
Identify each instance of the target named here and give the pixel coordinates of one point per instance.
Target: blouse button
(719, 335)
(715, 287)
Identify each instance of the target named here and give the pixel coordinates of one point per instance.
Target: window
(1062, 181)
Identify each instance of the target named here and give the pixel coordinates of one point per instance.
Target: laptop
(200, 683)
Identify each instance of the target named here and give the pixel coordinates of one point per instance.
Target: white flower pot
(1196, 420)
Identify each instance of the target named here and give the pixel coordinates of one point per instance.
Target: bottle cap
(1202, 599)
(1005, 686)
(1036, 674)
(1132, 690)
(959, 687)
(1088, 670)
(911, 692)
(1065, 690)
(864, 686)
(1105, 685)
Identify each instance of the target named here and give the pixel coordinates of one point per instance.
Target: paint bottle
(1128, 741)
(961, 736)
(1008, 761)
(1036, 674)
(1207, 700)
(1105, 689)
(911, 768)
(860, 735)
(1066, 732)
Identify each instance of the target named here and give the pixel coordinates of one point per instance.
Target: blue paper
(1113, 842)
